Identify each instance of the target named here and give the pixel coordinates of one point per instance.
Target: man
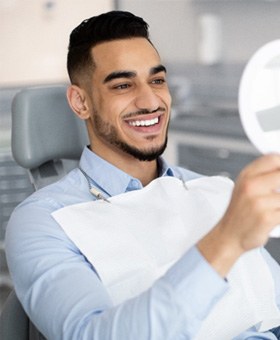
(118, 86)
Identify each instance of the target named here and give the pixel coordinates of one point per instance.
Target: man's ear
(77, 100)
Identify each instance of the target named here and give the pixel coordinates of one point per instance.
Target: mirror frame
(264, 141)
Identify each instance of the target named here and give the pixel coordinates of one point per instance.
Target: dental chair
(47, 137)
(47, 140)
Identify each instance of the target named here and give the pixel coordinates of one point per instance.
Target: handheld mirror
(259, 101)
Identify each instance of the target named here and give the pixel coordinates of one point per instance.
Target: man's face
(130, 100)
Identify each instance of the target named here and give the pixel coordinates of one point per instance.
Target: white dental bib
(133, 240)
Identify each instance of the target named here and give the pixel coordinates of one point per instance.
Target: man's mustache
(144, 112)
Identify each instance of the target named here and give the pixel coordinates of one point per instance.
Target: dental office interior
(205, 45)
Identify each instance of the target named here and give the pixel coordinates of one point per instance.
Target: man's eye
(159, 81)
(121, 86)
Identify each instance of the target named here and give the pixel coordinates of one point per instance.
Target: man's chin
(144, 155)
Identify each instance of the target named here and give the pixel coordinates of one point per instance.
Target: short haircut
(109, 26)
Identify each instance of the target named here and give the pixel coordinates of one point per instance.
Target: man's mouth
(144, 122)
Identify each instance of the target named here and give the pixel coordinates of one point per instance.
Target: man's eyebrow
(131, 74)
(119, 74)
(157, 69)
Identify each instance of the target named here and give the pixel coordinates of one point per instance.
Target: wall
(34, 33)
(246, 25)
(171, 26)
(34, 37)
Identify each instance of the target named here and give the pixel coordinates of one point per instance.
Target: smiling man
(174, 255)
(127, 109)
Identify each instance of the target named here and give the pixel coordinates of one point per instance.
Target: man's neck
(144, 171)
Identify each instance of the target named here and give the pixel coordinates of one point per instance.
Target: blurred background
(205, 45)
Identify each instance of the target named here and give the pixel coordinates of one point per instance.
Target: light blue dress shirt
(62, 293)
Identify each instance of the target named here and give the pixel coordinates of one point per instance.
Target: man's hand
(254, 210)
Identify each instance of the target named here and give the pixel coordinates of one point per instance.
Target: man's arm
(63, 295)
(253, 212)
(65, 299)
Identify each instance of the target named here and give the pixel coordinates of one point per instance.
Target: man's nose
(147, 99)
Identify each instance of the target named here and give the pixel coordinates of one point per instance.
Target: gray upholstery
(14, 323)
(47, 140)
(44, 128)
(47, 137)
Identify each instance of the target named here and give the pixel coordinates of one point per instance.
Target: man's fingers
(264, 184)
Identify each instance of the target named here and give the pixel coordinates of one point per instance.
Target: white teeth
(144, 122)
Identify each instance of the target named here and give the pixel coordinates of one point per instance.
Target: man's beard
(109, 133)
(142, 155)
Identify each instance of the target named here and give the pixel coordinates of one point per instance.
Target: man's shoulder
(68, 190)
(33, 217)
(221, 183)
(185, 174)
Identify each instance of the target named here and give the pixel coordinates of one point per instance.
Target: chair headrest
(44, 128)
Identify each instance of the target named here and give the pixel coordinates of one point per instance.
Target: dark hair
(105, 27)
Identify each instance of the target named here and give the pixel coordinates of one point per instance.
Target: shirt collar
(164, 168)
(111, 179)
